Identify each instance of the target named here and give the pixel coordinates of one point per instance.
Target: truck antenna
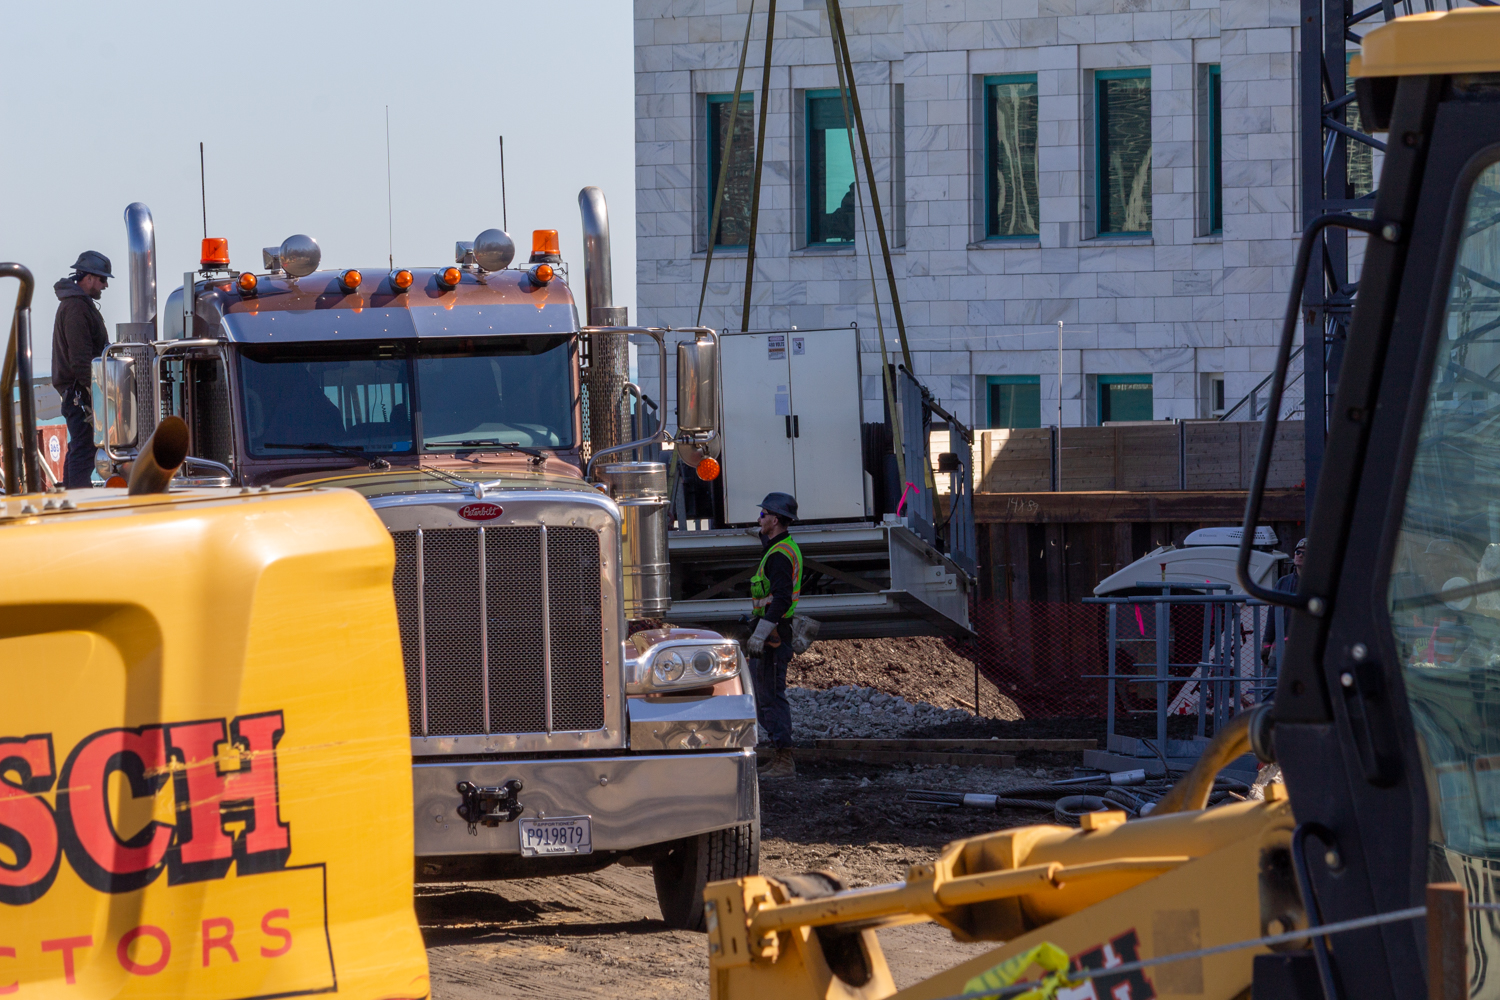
(203, 189)
(390, 227)
(504, 216)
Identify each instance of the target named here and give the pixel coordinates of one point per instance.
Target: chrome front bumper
(632, 801)
(721, 722)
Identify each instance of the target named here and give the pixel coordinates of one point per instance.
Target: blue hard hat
(93, 262)
(783, 505)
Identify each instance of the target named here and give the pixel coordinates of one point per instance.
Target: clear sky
(106, 104)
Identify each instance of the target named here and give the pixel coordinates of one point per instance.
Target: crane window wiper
(376, 461)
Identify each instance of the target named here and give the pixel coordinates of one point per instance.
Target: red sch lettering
(204, 850)
(12, 987)
(27, 826)
(252, 794)
(213, 939)
(67, 946)
(271, 930)
(129, 964)
(104, 860)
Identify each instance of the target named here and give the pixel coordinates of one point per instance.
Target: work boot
(782, 767)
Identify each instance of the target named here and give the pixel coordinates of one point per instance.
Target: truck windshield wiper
(512, 445)
(376, 462)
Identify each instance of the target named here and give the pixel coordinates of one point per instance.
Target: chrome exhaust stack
(140, 237)
(609, 353)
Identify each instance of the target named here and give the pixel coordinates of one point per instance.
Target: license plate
(563, 835)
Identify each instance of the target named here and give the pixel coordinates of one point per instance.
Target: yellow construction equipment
(204, 771)
(1386, 719)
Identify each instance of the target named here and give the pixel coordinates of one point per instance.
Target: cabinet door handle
(796, 426)
(788, 426)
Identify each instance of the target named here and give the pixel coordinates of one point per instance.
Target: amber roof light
(215, 252)
(401, 280)
(349, 280)
(449, 278)
(247, 283)
(541, 273)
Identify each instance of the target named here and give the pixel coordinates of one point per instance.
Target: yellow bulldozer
(1371, 873)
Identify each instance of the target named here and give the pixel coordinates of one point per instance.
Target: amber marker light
(215, 252)
(449, 278)
(545, 241)
(401, 280)
(708, 470)
(247, 283)
(349, 280)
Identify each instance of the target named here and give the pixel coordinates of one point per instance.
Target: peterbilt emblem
(480, 511)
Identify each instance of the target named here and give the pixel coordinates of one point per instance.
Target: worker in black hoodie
(78, 337)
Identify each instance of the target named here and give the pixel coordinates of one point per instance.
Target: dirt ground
(600, 935)
(918, 668)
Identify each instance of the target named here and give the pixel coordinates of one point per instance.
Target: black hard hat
(783, 505)
(93, 262)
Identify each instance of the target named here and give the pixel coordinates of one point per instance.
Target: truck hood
(396, 482)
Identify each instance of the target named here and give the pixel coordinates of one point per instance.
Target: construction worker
(774, 590)
(78, 337)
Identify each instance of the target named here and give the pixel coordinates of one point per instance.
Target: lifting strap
(893, 402)
(760, 155)
(734, 111)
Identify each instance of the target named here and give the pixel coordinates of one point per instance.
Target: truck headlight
(683, 665)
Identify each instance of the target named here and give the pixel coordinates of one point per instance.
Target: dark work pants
(770, 693)
(78, 468)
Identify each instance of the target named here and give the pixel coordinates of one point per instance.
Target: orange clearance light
(541, 273)
(215, 252)
(708, 470)
(545, 241)
(349, 280)
(247, 283)
(401, 280)
(449, 277)
(115, 483)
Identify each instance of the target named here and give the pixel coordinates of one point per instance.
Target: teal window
(1010, 159)
(1122, 171)
(734, 213)
(1215, 153)
(1015, 400)
(830, 171)
(1124, 397)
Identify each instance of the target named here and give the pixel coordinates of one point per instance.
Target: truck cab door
(1388, 706)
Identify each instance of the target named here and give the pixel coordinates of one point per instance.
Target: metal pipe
(609, 354)
(160, 458)
(598, 283)
(140, 238)
(21, 466)
(661, 436)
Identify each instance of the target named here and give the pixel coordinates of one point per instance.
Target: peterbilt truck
(556, 726)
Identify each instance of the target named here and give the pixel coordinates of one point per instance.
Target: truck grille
(475, 629)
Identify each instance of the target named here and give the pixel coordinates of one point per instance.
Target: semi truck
(555, 724)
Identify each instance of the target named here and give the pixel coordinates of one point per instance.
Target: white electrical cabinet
(792, 417)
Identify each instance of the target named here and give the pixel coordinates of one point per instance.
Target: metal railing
(1234, 670)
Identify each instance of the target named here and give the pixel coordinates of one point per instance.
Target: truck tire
(693, 862)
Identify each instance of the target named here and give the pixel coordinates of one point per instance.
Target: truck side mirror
(114, 402)
(698, 385)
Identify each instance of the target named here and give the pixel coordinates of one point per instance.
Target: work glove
(757, 643)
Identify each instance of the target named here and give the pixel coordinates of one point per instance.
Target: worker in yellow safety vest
(774, 590)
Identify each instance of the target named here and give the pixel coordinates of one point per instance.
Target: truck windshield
(515, 390)
(371, 397)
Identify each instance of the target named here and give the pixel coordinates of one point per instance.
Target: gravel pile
(917, 668)
(848, 712)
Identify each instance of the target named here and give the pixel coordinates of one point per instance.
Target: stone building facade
(1190, 298)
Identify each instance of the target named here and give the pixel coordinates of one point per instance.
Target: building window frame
(1104, 412)
(710, 171)
(994, 382)
(1211, 176)
(1102, 79)
(990, 229)
(810, 174)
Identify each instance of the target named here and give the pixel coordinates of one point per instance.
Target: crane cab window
(1444, 592)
